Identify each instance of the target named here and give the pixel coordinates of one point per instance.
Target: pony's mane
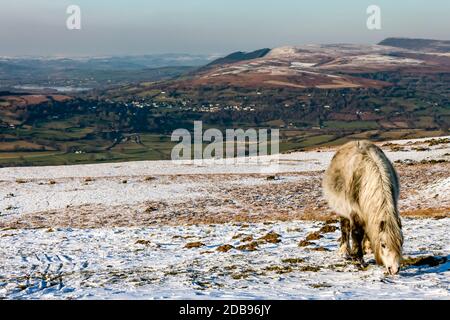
(394, 239)
(387, 212)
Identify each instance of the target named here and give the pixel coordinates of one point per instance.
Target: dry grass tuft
(225, 248)
(328, 229)
(293, 260)
(313, 236)
(305, 243)
(192, 245)
(143, 242)
(271, 237)
(252, 246)
(427, 213)
(310, 268)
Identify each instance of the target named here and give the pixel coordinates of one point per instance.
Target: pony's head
(388, 245)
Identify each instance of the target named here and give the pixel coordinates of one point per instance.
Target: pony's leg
(357, 242)
(367, 246)
(345, 238)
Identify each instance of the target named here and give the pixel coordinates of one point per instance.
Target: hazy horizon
(38, 28)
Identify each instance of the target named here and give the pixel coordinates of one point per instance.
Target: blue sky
(37, 27)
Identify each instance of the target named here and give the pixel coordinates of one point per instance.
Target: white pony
(361, 185)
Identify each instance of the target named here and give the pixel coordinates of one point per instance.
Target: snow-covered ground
(49, 188)
(120, 230)
(153, 263)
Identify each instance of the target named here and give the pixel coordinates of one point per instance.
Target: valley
(316, 95)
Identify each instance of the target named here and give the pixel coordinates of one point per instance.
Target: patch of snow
(152, 263)
(297, 64)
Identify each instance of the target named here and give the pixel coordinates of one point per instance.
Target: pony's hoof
(357, 259)
(362, 263)
(344, 252)
(367, 249)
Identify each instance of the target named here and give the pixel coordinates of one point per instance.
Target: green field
(159, 147)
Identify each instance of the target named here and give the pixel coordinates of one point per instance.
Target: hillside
(336, 66)
(426, 45)
(239, 56)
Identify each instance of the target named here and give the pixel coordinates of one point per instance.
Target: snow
(297, 64)
(111, 264)
(108, 188)
(134, 261)
(282, 52)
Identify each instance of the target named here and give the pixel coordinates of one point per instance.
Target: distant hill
(240, 56)
(329, 66)
(427, 45)
(95, 72)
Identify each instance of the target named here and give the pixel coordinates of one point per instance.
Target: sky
(134, 27)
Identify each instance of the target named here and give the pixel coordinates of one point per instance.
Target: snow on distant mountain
(320, 66)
